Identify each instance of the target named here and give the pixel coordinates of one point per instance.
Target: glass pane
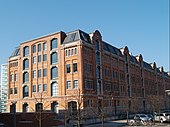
(54, 43)
(54, 58)
(54, 88)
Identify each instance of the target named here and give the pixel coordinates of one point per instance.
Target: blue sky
(142, 25)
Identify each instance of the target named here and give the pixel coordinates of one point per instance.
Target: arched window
(25, 91)
(25, 64)
(97, 57)
(54, 107)
(26, 51)
(97, 45)
(54, 58)
(39, 107)
(54, 43)
(25, 77)
(54, 73)
(25, 107)
(72, 108)
(13, 107)
(54, 89)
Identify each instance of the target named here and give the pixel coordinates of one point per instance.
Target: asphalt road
(123, 123)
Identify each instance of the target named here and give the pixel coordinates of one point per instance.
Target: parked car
(151, 117)
(162, 117)
(141, 117)
(2, 125)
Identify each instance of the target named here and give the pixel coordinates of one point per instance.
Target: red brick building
(78, 70)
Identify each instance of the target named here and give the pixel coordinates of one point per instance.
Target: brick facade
(84, 69)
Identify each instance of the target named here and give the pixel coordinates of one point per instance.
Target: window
(11, 90)
(72, 51)
(34, 48)
(39, 73)
(26, 51)
(39, 88)
(34, 74)
(107, 72)
(39, 58)
(25, 77)
(54, 107)
(69, 52)
(45, 57)
(66, 52)
(26, 64)
(75, 84)
(109, 103)
(39, 47)
(72, 108)
(113, 74)
(89, 103)
(15, 90)
(44, 87)
(117, 75)
(15, 77)
(25, 91)
(54, 89)
(54, 72)
(34, 88)
(68, 69)
(74, 67)
(108, 87)
(98, 75)
(88, 68)
(54, 43)
(54, 58)
(34, 59)
(75, 51)
(44, 46)
(89, 84)
(11, 77)
(12, 107)
(98, 58)
(97, 45)
(129, 91)
(68, 85)
(45, 72)
(39, 107)
(25, 107)
(115, 87)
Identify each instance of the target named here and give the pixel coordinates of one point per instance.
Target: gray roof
(75, 36)
(166, 74)
(133, 59)
(158, 70)
(109, 48)
(16, 52)
(147, 65)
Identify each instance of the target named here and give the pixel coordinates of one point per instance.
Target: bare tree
(40, 108)
(102, 103)
(65, 107)
(78, 97)
(72, 110)
(154, 102)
